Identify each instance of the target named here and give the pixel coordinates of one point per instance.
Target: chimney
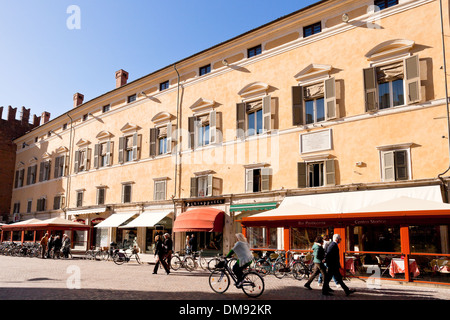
(45, 117)
(77, 99)
(121, 78)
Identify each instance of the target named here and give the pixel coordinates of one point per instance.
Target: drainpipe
(446, 100)
(177, 148)
(66, 205)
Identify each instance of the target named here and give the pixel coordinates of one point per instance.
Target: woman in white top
(244, 257)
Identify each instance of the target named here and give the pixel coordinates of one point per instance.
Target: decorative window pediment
(82, 143)
(313, 72)
(253, 90)
(202, 106)
(130, 127)
(46, 156)
(390, 49)
(33, 160)
(20, 165)
(162, 118)
(61, 150)
(104, 135)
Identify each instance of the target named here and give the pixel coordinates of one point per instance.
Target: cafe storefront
(380, 230)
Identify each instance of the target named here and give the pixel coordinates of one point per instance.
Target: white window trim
(397, 147)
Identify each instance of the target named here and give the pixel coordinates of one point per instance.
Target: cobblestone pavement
(36, 279)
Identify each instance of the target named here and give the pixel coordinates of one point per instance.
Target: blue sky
(43, 62)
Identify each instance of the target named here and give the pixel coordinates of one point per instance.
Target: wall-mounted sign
(204, 202)
(315, 141)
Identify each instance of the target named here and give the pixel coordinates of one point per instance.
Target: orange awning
(202, 219)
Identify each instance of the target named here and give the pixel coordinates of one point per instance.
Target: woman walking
(160, 252)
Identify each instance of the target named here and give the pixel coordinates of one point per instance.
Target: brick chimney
(77, 99)
(121, 78)
(45, 117)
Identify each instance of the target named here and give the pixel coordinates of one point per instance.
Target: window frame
(264, 181)
(124, 187)
(79, 198)
(385, 5)
(97, 197)
(312, 28)
(164, 85)
(254, 51)
(204, 70)
(132, 98)
(383, 167)
(162, 194)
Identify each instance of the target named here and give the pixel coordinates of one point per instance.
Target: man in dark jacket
(168, 248)
(333, 264)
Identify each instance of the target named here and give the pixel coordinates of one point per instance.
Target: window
(204, 129)
(316, 173)
(103, 154)
(161, 140)
(164, 85)
(429, 238)
(80, 195)
(205, 185)
(205, 70)
(257, 179)
(312, 29)
(254, 51)
(126, 193)
(64, 127)
(81, 160)
(31, 174)
(391, 85)
(57, 202)
(394, 165)
(367, 237)
(129, 148)
(85, 117)
(160, 190)
(303, 238)
(383, 4)
(101, 195)
(131, 98)
(29, 206)
(16, 208)
(254, 117)
(19, 178)
(314, 103)
(44, 171)
(60, 165)
(106, 108)
(262, 237)
(41, 204)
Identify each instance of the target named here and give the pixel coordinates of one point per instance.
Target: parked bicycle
(186, 261)
(219, 280)
(122, 256)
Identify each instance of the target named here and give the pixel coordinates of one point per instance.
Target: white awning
(385, 200)
(87, 211)
(115, 220)
(148, 219)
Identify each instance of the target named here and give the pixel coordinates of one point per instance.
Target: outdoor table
(441, 265)
(398, 266)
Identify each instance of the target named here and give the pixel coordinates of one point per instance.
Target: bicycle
(122, 256)
(92, 254)
(186, 261)
(294, 266)
(219, 280)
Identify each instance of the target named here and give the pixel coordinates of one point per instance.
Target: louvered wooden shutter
(389, 166)
(41, 171)
(136, 146)
(297, 106)
(301, 175)
(209, 189)
(330, 99)
(169, 137)
(212, 127)
(194, 188)
(191, 129)
(109, 152)
(96, 156)
(412, 79)
(56, 169)
(121, 149)
(29, 175)
(370, 89)
(267, 113)
(240, 120)
(249, 180)
(266, 173)
(153, 138)
(330, 172)
(76, 162)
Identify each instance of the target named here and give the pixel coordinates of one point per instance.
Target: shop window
(303, 238)
(262, 237)
(429, 239)
(381, 238)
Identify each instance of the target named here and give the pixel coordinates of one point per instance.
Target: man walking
(333, 264)
(168, 246)
(44, 241)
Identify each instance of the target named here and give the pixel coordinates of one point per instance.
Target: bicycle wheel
(219, 281)
(299, 270)
(175, 263)
(189, 263)
(253, 284)
(212, 264)
(119, 259)
(203, 263)
(279, 270)
(137, 258)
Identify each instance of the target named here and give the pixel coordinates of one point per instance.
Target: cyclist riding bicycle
(244, 257)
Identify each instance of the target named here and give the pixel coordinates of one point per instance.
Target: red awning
(204, 219)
